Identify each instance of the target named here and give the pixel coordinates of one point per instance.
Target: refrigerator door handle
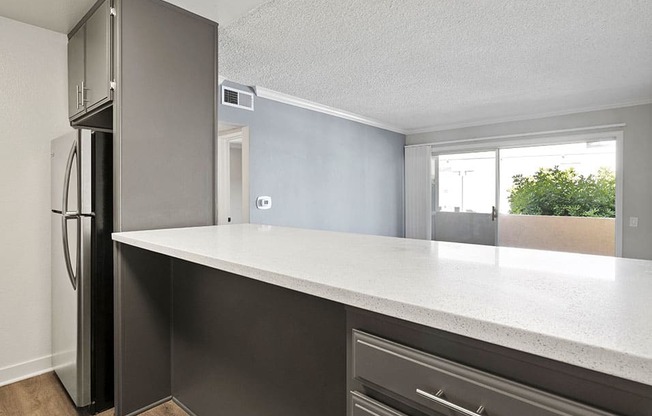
(72, 274)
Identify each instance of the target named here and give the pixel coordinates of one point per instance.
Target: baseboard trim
(21, 371)
(183, 406)
(150, 406)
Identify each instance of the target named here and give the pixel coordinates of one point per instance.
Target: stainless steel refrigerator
(82, 267)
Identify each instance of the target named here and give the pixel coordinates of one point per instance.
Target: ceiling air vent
(237, 98)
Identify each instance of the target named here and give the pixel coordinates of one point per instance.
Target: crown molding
(313, 106)
(508, 138)
(487, 122)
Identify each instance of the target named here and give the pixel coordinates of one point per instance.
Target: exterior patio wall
(572, 234)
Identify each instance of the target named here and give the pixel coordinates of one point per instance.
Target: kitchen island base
(220, 343)
(223, 344)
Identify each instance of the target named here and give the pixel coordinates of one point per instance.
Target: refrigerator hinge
(112, 11)
(112, 85)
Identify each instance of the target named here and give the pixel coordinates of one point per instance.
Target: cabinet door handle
(83, 93)
(77, 95)
(449, 405)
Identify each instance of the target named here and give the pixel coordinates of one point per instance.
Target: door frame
(435, 174)
(224, 140)
(598, 133)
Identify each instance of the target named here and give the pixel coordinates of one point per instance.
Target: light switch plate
(633, 221)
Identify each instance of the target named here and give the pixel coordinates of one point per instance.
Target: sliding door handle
(494, 213)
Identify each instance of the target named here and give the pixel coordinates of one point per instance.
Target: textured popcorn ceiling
(58, 15)
(63, 15)
(222, 11)
(420, 64)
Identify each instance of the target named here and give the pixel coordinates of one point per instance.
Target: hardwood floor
(45, 396)
(166, 409)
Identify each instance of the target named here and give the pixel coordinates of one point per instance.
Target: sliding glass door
(558, 195)
(464, 197)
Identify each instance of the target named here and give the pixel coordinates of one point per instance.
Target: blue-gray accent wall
(322, 172)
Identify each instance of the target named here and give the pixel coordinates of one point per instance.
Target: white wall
(637, 160)
(322, 172)
(235, 176)
(33, 110)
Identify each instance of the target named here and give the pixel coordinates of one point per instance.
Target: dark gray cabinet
(361, 405)
(75, 72)
(389, 359)
(225, 344)
(146, 71)
(439, 385)
(90, 62)
(164, 120)
(98, 57)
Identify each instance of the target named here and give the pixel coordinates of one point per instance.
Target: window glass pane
(585, 159)
(467, 182)
(559, 197)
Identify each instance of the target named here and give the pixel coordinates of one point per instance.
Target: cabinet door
(75, 72)
(447, 387)
(361, 405)
(98, 57)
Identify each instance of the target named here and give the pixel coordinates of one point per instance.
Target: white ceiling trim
(310, 105)
(320, 108)
(521, 138)
(454, 126)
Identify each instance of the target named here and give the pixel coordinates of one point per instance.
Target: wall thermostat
(264, 202)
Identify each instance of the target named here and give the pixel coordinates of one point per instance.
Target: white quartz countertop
(591, 311)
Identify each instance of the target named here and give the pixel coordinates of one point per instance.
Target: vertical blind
(418, 200)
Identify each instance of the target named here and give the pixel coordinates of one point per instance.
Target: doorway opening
(464, 190)
(232, 174)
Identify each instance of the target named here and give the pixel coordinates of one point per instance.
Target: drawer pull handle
(449, 405)
(364, 409)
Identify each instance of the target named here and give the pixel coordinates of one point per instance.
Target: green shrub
(564, 193)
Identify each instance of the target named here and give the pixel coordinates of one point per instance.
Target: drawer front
(361, 405)
(448, 387)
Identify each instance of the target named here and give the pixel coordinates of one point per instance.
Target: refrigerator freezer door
(64, 307)
(71, 309)
(60, 153)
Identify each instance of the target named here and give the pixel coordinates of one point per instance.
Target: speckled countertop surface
(590, 311)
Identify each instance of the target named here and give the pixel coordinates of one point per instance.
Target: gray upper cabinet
(90, 63)
(75, 72)
(98, 57)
